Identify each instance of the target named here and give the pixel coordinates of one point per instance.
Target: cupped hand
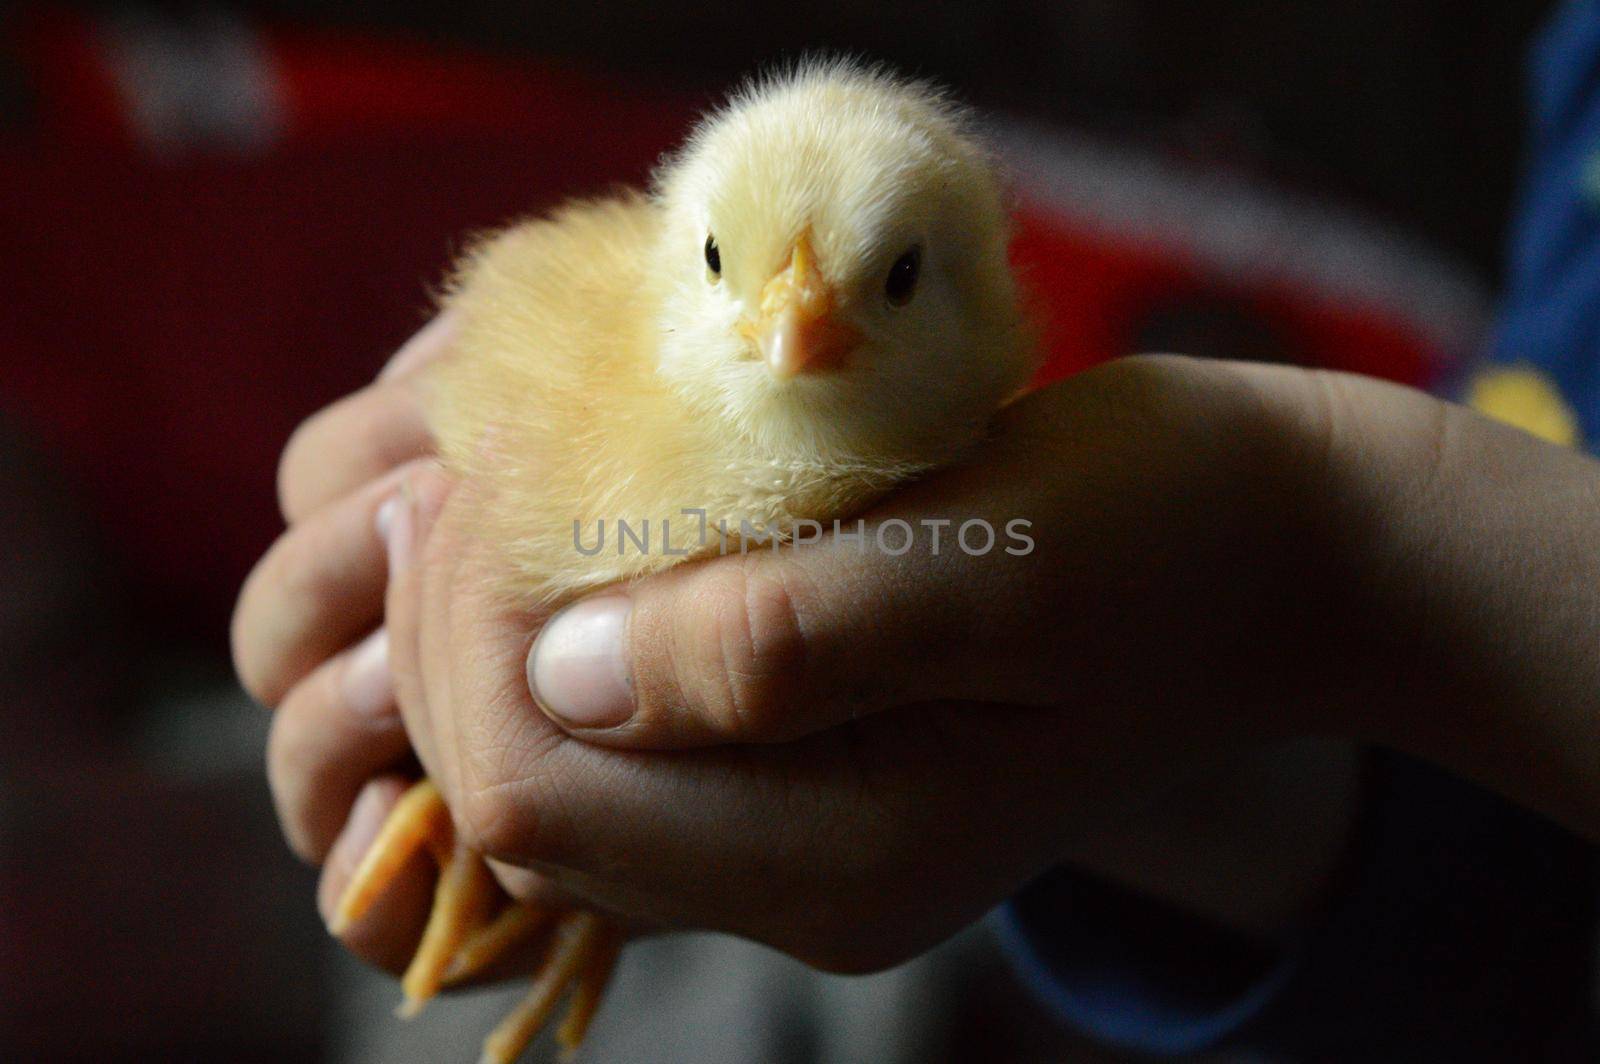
(309, 642)
(848, 750)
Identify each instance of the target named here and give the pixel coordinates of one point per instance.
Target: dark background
(1411, 106)
(167, 315)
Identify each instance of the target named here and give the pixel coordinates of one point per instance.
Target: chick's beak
(798, 331)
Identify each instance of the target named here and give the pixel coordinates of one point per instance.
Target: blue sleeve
(1135, 973)
(1549, 320)
(1462, 931)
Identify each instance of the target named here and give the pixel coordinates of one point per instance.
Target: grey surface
(707, 999)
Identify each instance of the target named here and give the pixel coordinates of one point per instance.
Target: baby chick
(812, 305)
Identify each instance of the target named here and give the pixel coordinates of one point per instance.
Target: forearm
(1360, 561)
(1433, 590)
(1471, 555)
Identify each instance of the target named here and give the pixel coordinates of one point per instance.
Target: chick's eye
(713, 256)
(902, 282)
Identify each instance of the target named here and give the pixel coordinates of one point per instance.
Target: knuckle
(494, 821)
(285, 768)
(743, 648)
(245, 667)
(253, 646)
(276, 624)
(513, 806)
(301, 567)
(1143, 385)
(294, 470)
(262, 683)
(1175, 405)
(1153, 368)
(481, 818)
(364, 434)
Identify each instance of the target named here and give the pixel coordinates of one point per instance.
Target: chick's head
(834, 256)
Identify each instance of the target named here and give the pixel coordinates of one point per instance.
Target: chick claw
(418, 819)
(460, 903)
(591, 987)
(516, 924)
(460, 941)
(576, 939)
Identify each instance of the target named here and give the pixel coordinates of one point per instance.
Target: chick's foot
(462, 941)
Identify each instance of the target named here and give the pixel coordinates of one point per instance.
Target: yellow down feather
(600, 373)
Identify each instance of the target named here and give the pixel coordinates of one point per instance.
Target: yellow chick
(812, 305)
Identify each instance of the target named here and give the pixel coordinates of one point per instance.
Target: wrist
(1349, 452)
(1470, 557)
(1311, 630)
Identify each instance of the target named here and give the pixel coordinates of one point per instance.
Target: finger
(365, 434)
(362, 436)
(525, 793)
(525, 884)
(796, 844)
(510, 771)
(387, 934)
(813, 846)
(778, 644)
(338, 728)
(952, 588)
(429, 343)
(408, 607)
(731, 838)
(317, 590)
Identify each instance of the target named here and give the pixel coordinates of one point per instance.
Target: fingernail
(383, 521)
(402, 531)
(366, 685)
(578, 668)
(360, 828)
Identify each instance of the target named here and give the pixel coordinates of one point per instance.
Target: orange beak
(798, 331)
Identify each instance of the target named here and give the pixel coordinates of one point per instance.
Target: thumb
(776, 644)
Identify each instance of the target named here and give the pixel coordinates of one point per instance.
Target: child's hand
(1222, 555)
(969, 718)
(308, 638)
